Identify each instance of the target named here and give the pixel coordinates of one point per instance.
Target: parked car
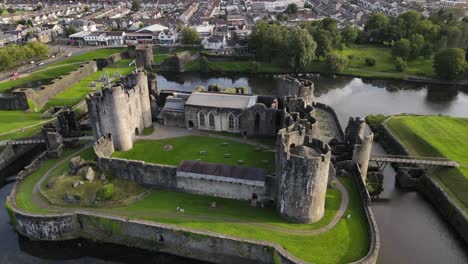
(40, 64)
(69, 54)
(14, 76)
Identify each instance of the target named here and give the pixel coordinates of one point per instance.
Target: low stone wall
(11, 153)
(104, 62)
(13, 102)
(430, 188)
(33, 166)
(39, 97)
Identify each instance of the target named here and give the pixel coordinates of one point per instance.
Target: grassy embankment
(77, 92)
(188, 148)
(384, 67)
(13, 121)
(436, 136)
(346, 242)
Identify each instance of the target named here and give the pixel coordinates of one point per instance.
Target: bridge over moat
(411, 162)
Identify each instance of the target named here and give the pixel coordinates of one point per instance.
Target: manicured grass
(42, 75)
(77, 92)
(11, 120)
(384, 62)
(437, 136)
(188, 148)
(344, 243)
(89, 56)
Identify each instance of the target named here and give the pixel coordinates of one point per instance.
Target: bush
(450, 63)
(254, 67)
(370, 61)
(400, 64)
(107, 192)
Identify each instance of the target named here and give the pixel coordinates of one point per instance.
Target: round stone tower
(142, 81)
(144, 56)
(115, 97)
(303, 166)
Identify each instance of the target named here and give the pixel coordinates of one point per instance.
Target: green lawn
(11, 120)
(346, 242)
(438, 136)
(188, 148)
(88, 56)
(77, 92)
(47, 74)
(384, 62)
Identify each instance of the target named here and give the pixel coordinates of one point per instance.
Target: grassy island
(347, 241)
(436, 136)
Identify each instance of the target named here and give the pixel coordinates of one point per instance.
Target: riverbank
(418, 70)
(431, 136)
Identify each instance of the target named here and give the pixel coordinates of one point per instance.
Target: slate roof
(221, 100)
(222, 170)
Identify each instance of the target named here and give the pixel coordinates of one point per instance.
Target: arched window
(231, 121)
(201, 117)
(211, 120)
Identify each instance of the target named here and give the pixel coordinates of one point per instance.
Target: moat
(404, 219)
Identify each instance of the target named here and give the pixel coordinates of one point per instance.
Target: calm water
(411, 231)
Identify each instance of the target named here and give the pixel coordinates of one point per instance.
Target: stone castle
(304, 165)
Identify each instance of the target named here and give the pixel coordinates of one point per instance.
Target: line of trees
(12, 54)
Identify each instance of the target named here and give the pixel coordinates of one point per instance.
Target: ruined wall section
(303, 166)
(144, 56)
(288, 86)
(39, 97)
(259, 120)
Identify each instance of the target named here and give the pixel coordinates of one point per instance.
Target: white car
(69, 54)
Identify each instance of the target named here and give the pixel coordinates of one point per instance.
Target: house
(6, 39)
(96, 39)
(167, 36)
(134, 38)
(84, 25)
(78, 38)
(116, 38)
(46, 36)
(214, 42)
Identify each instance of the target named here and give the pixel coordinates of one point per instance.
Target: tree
(349, 34)
(70, 30)
(11, 10)
(400, 64)
(301, 48)
(336, 63)
(450, 63)
(204, 64)
(292, 9)
(402, 48)
(323, 40)
(190, 36)
(136, 5)
(426, 51)
(39, 6)
(417, 44)
(87, 9)
(40, 50)
(6, 60)
(376, 21)
(408, 22)
(370, 61)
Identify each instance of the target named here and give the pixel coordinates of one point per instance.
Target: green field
(436, 136)
(237, 66)
(77, 92)
(12, 120)
(188, 148)
(384, 62)
(161, 54)
(89, 56)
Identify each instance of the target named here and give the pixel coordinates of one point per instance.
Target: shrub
(336, 63)
(370, 61)
(107, 192)
(400, 64)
